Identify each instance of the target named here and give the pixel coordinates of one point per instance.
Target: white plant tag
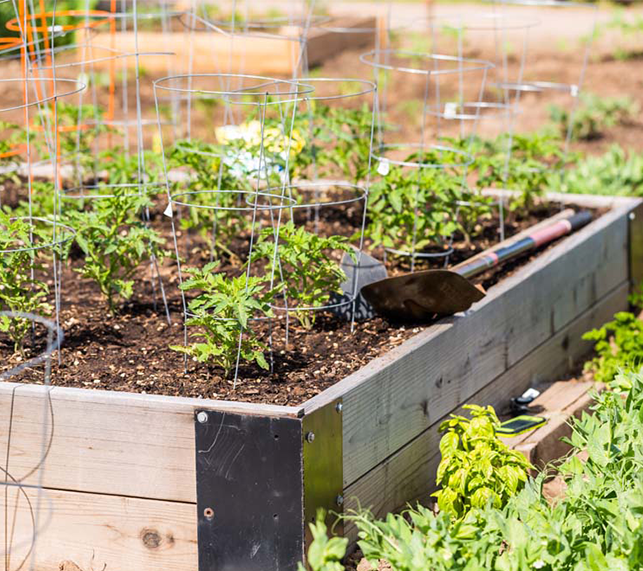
(383, 168)
(450, 110)
(168, 211)
(573, 90)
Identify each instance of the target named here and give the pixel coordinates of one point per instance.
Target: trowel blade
(422, 296)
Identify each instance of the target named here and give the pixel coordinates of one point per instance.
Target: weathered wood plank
(392, 400)
(108, 442)
(409, 474)
(91, 532)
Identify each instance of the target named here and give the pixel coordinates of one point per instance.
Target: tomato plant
(304, 260)
(115, 241)
(411, 211)
(220, 314)
(20, 289)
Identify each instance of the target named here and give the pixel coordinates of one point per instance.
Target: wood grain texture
(108, 442)
(90, 532)
(409, 474)
(393, 399)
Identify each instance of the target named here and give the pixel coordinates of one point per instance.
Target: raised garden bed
(273, 51)
(131, 479)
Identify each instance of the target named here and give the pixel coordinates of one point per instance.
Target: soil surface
(131, 351)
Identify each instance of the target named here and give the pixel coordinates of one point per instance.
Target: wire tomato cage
(529, 88)
(261, 170)
(423, 152)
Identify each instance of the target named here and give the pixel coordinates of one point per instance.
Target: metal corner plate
(323, 465)
(249, 492)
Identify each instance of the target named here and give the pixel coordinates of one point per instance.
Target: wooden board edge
(157, 402)
(364, 374)
(426, 466)
(80, 531)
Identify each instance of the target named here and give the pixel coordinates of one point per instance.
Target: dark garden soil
(131, 351)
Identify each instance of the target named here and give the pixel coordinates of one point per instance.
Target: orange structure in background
(30, 26)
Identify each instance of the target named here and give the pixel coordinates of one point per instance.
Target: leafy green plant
(330, 137)
(42, 201)
(324, 554)
(219, 215)
(303, 258)
(115, 242)
(20, 289)
(618, 344)
(477, 467)
(413, 210)
(347, 134)
(221, 312)
(593, 115)
(596, 525)
(533, 157)
(123, 168)
(78, 126)
(626, 27)
(616, 172)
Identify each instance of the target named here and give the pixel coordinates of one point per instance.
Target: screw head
(310, 437)
(339, 407)
(202, 417)
(632, 215)
(339, 500)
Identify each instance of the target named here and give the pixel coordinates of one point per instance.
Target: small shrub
(310, 274)
(594, 115)
(115, 242)
(618, 344)
(324, 553)
(19, 291)
(221, 312)
(477, 467)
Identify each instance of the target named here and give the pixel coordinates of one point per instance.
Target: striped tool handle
(534, 240)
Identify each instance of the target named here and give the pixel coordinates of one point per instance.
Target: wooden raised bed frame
(211, 52)
(120, 475)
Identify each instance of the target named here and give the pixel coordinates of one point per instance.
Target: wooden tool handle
(539, 237)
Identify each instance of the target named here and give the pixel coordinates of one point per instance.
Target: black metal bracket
(323, 465)
(260, 481)
(249, 492)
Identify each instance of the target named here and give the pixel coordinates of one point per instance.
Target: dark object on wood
(429, 294)
(369, 271)
(259, 482)
(249, 491)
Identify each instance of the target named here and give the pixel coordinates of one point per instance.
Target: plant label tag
(450, 110)
(573, 90)
(168, 211)
(383, 168)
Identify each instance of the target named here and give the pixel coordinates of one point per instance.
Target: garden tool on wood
(428, 294)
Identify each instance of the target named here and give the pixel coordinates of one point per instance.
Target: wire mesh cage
(255, 190)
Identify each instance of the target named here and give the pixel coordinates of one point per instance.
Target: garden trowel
(428, 294)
